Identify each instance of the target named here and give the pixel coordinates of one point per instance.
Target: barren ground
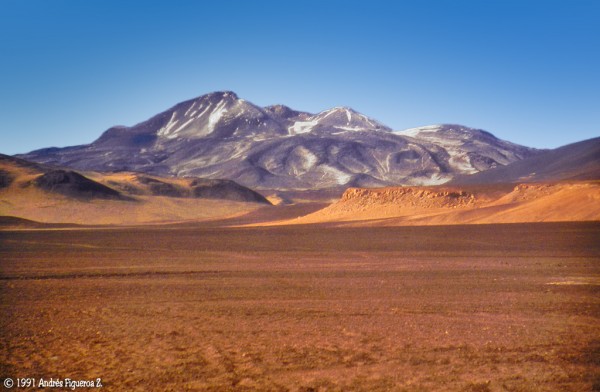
(468, 204)
(305, 308)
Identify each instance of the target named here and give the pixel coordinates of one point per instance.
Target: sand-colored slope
(41, 207)
(146, 199)
(151, 199)
(547, 202)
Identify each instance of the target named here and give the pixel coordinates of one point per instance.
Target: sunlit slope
(542, 202)
(45, 194)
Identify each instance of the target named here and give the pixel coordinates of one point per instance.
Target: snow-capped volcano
(224, 115)
(215, 115)
(219, 135)
(339, 119)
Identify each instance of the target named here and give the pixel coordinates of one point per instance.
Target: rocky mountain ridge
(219, 135)
(573, 162)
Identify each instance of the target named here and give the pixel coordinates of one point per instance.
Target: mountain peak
(219, 135)
(447, 130)
(284, 112)
(224, 94)
(336, 120)
(219, 114)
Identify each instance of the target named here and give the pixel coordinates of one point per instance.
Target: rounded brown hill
(225, 189)
(75, 185)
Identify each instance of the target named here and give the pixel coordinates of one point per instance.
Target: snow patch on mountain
(191, 107)
(460, 161)
(174, 134)
(216, 115)
(414, 132)
(221, 136)
(302, 127)
(165, 130)
(434, 179)
(341, 118)
(302, 160)
(205, 110)
(348, 128)
(331, 174)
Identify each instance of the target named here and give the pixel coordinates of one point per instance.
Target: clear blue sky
(526, 71)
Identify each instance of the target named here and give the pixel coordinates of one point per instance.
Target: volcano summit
(219, 135)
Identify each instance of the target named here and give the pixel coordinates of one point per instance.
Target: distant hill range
(220, 136)
(23, 175)
(578, 161)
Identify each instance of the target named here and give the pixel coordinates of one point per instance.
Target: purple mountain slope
(574, 162)
(219, 135)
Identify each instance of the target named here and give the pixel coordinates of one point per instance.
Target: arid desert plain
(499, 307)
